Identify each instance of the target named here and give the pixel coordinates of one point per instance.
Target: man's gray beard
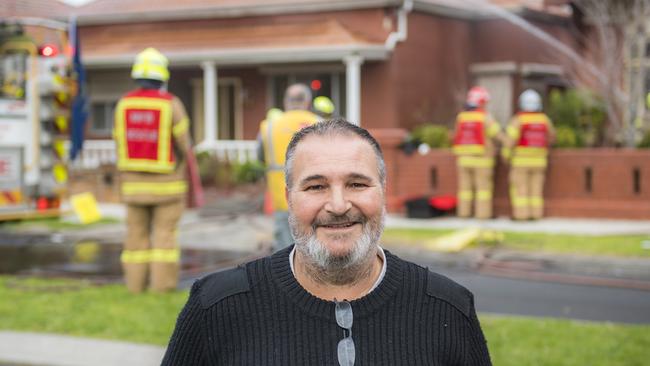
(324, 267)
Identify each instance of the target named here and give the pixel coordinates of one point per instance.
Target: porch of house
(94, 169)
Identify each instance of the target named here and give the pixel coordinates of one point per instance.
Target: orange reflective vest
(143, 132)
(470, 133)
(534, 130)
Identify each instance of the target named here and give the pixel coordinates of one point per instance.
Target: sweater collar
(287, 283)
(380, 253)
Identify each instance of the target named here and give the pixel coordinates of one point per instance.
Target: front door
(229, 124)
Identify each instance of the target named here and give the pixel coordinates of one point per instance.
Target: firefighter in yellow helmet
(324, 107)
(151, 134)
(475, 135)
(528, 137)
(274, 136)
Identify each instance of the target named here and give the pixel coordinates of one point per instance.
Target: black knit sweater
(258, 314)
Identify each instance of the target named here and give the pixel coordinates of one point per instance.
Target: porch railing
(100, 152)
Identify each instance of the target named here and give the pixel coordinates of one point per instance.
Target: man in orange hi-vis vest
(474, 138)
(529, 135)
(151, 134)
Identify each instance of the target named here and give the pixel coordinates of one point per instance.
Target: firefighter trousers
(475, 187)
(526, 192)
(151, 254)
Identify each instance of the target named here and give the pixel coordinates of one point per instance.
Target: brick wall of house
(611, 183)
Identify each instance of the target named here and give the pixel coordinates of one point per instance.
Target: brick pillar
(389, 139)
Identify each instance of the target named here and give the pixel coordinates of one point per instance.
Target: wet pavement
(93, 259)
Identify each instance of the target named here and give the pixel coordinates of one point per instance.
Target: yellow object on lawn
(454, 242)
(85, 207)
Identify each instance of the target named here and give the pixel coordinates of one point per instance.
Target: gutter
(401, 33)
(229, 11)
(477, 12)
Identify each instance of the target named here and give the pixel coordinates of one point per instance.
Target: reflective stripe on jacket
(276, 135)
(143, 132)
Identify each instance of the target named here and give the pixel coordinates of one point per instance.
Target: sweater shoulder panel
(220, 285)
(447, 290)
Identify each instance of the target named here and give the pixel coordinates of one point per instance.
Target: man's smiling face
(336, 200)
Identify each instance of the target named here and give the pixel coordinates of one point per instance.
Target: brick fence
(608, 183)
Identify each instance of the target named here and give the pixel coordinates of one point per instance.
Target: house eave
(249, 56)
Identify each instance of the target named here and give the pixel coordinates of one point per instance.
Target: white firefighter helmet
(530, 101)
(150, 64)
(477, 97)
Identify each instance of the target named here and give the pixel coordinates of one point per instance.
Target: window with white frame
(101, 117)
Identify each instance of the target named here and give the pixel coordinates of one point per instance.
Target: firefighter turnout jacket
(473, 139)
(529, 135)
(276, 135)
(151, 134)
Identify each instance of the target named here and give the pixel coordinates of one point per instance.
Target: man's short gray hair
(297, 96)
(333, 127)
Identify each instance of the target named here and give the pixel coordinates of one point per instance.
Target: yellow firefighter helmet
(323, 105)
(150, 64)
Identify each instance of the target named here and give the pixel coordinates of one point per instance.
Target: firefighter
(528, 137)
(275, 135)
(475, 135)
(324, 107)
(151, 134)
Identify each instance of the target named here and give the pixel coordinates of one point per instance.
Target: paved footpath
(24, 348)
(244, 232)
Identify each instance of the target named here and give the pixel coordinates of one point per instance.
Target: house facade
(384, 63)
(388, 65)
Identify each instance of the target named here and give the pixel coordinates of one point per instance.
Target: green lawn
(77, 308)
(617, 245)
(620, 245)
(412, 236)
(515, 341)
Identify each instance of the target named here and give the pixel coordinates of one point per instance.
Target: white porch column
(353, 87)
(209, 103)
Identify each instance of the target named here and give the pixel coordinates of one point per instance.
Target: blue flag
(80, 102)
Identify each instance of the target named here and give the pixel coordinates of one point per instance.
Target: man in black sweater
(334, 297)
